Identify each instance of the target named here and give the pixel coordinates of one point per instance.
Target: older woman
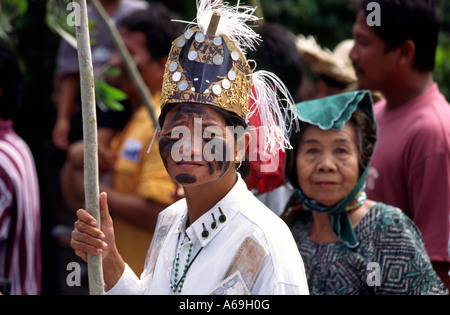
(350, 245)
(219, 239)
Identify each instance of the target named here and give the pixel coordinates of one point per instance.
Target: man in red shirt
(411, 165)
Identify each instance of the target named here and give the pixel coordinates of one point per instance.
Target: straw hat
(335, 64)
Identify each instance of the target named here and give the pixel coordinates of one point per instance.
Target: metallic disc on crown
(226, 84)
(218, 60)
(176, 76)
(232, 75)
(217, 41)
(173, 66)
(183, 85)
(192, 55)
(200, 37)
(181, 42)
(188, 34)
(217, 89)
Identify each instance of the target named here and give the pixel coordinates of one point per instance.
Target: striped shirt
(20, 249)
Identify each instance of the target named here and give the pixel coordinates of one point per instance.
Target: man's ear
(407, 54)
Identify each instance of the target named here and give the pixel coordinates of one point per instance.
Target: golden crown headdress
(207, 65)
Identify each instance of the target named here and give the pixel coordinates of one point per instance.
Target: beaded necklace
(177, 283)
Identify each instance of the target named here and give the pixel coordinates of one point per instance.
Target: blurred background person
(140, 186)
(20, 243)
(411, 163)
(68, 125)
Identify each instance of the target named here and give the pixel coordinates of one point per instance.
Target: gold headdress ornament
(207, 65)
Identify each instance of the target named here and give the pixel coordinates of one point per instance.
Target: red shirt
(20, 248)
(411, 166)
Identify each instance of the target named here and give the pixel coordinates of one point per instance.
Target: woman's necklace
(178, 278)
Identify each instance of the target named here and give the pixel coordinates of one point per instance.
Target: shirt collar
(225, 210)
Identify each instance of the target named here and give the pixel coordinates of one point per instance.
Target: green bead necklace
(178, 284)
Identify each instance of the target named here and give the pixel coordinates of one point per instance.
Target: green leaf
(108, 96)
(113, 72)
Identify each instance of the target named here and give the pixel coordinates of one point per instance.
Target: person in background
(350, 244)
(411, 164)
(68, 124)
(139, 187)
(333, 70)
(20, 246)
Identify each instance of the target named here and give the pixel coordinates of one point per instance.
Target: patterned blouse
(391, 258)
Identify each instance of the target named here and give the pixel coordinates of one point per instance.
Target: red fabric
(259, 179)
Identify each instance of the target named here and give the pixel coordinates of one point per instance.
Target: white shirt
(281, 272)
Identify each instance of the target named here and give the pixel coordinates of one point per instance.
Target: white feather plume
(277, 115)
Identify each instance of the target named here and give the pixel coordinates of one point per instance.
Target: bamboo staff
(91, 182)
(130, 65)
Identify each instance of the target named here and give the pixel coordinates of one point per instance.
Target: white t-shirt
(281, 271)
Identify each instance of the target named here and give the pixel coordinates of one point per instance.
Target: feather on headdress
(207, 65)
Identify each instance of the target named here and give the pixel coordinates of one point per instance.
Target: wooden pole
(128, 61)
(91, 177)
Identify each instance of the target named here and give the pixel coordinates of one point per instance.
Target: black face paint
(185, 179)
(184, 110)
(184, 115)
(222, 162)
(165, 149)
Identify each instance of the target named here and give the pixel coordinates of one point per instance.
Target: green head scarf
(332, 113)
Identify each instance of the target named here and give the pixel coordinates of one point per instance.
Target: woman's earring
(237, 160)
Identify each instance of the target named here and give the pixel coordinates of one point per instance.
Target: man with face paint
(219, 239)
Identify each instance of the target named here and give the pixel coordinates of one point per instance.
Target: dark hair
(416, 20)
(278, 54)
(11, 83)
(156, 23)
(231, 119)
(366, 135)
